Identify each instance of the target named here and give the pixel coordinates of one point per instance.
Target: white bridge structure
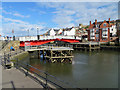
(29, 38)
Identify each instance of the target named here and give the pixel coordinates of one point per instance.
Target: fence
(3, 44)
(28, 38)
(47, 79)
(48, 46)
(5, 58)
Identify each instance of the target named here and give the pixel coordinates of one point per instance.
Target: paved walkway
(13, 78)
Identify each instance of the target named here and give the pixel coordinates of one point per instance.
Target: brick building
(102, 31)
(118, 30)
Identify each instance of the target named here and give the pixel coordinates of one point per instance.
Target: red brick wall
(108, 34)
(102, 25)
(88, 35)
(100, 32)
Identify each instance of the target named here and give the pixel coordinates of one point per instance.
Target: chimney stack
(90, 22)
(109, 20)
(95, 21)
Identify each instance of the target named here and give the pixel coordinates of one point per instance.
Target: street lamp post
(13, 35)
(38, 33)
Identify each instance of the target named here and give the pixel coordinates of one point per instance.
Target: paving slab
(13, 78)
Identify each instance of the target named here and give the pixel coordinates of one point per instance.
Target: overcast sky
(21, 16)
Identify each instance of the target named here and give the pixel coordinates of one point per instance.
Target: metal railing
(49, 46)
(49, 81)
(29, 38)
(4, 44)
(5, 58)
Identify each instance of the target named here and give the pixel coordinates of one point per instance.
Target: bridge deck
(87, 43)
(59, 48)
(51, 48)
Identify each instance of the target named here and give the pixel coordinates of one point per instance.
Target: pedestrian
(12, 49)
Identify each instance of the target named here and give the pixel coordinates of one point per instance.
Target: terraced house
(102, 31)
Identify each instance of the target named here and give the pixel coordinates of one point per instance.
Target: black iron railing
(48, 80)
(5, 58)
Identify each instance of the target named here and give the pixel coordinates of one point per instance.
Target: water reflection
(52, 68)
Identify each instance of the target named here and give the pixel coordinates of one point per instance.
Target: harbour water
(88, 69)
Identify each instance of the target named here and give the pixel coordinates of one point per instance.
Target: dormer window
(104, 24)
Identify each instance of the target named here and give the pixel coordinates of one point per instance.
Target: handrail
(4, 44)
(43, 72)
(42, 76)
(48, 46)
(6, 58)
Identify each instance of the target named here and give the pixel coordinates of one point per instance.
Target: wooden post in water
(38, 54)
(43, 55)
(51, 55)
(90, 46)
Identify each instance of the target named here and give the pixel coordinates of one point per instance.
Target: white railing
(29, 38)
(48, 37)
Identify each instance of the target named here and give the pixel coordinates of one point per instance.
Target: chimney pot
(90, 22)
(109, 20)
(95, 21)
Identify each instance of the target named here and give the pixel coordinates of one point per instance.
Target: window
(97, 35)
(91, 29)
(104, 24)
(97, 31)
(105, 29)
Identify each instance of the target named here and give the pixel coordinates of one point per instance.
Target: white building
(113, 31)
(69, 32)
(51, 32)
(60, 32)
